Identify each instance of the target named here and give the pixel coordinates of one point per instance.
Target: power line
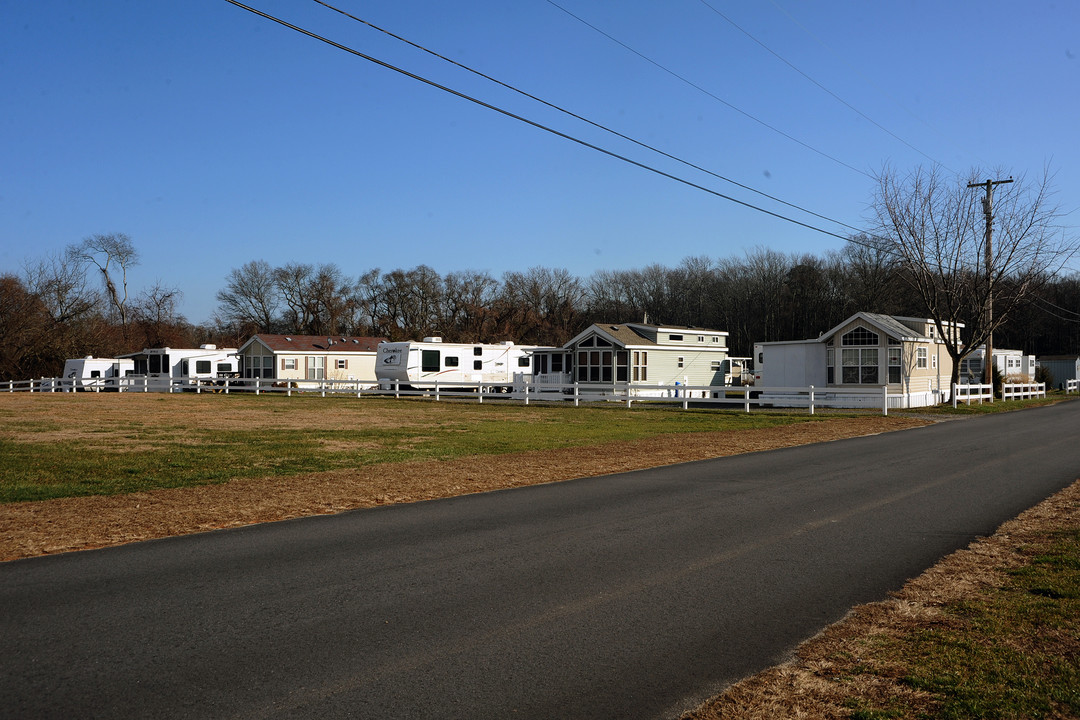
(825, 89)
(584, 119)
(706, 92)
(527, 121)
(869, 81)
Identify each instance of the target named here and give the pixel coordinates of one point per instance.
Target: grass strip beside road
(65, 445)
(992, 631)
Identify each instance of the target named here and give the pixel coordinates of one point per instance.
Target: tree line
(78, 303)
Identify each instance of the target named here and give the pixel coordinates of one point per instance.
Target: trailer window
(155, 363)
(429, 361)
(523, 361)
(224, 367)
(451, 361)
(478, 365)
(477, 351)
(202, 366)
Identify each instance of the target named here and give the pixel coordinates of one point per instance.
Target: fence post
(746, 398)
(577, 398)
(526, 393)
(811, 399)
(436, 391)
(885, 403)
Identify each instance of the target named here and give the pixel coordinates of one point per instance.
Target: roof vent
(355, 341)
(288, 339)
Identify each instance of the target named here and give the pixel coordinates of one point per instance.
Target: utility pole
(988, 213)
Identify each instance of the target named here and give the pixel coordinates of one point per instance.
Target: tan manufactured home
(641, 355)
(307, 359)
(867, 350)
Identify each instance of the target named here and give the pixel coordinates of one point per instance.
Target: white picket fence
(1072, 386)
(1009, 391)
(746, 397)
(1022, 391)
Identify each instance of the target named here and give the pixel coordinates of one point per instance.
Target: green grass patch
(1013, 653)
(62, 446)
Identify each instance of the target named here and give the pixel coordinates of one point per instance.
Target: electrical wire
(532, 123)
(869, 81)
(712, 95)
(839, 99)
(574, 115)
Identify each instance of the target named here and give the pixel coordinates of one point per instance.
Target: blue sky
(213, 137)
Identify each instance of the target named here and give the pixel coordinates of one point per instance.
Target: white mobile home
(160, 368)
(306, 360)
(432, 360)
(1013, 365)
(91, 373)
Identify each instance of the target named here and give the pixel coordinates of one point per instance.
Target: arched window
(860, 362)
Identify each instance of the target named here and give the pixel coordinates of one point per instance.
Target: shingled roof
(337, 344)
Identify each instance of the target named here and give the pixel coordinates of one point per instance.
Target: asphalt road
(625, 596)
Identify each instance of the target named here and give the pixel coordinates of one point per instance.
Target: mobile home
(308, 360)
(432, 360)
(159, 368)
(91, 373)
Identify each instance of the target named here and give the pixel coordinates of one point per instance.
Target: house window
(933, 361)
(622, 366)
(679, 361)
(830, 365)
(920, 358)
(429, 361)
(859, 336)
(641, 366)
(701, 338)
(860, 366)
(557, 363)
(288, 364)
(341, 364)
(894, 364)
(594, 366)
(316, 369)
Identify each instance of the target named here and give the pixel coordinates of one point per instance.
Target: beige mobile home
(643, 356)
(868, 350)
(308, 359)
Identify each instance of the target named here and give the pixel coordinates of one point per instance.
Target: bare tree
(59, 281)
(934, 225)
(251, 297)
(112, 255)
(155, 312)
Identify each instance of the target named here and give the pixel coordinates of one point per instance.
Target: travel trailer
(95, 374)
(432, 360)
(159, 369)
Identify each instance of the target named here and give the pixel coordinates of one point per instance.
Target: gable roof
(630, 334)
(307, 344)
(885, 323)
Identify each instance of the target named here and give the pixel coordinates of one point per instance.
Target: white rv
(161, 368)
(432, 360)
(96, 374)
